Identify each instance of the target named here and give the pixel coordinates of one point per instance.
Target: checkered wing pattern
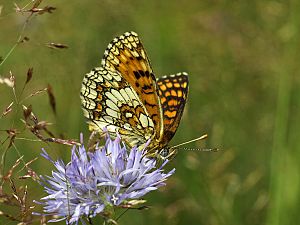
(127, 56)
(173, 92)
(109, 102)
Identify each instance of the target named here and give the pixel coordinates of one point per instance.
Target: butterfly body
(123, 96)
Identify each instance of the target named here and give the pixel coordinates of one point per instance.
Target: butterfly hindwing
(109, 102)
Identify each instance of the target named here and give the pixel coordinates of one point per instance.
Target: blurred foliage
(242, 58)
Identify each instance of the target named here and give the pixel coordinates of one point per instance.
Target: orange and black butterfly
(123, 96)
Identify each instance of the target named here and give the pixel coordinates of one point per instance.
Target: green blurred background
(243, 60)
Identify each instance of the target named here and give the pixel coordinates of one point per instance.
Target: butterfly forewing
(127, 56)
(173, 92)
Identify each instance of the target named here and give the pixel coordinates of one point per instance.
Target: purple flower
(94, 182)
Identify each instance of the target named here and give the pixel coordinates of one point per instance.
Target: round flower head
(94, 182)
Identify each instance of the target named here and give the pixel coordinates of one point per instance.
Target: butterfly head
(161, 154)
(167, 153)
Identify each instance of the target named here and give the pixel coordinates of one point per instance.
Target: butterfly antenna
(196, 139)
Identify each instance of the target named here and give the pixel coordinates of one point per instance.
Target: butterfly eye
(164, 153)
(168, 153)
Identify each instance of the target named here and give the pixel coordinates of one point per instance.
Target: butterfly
(123, 96)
